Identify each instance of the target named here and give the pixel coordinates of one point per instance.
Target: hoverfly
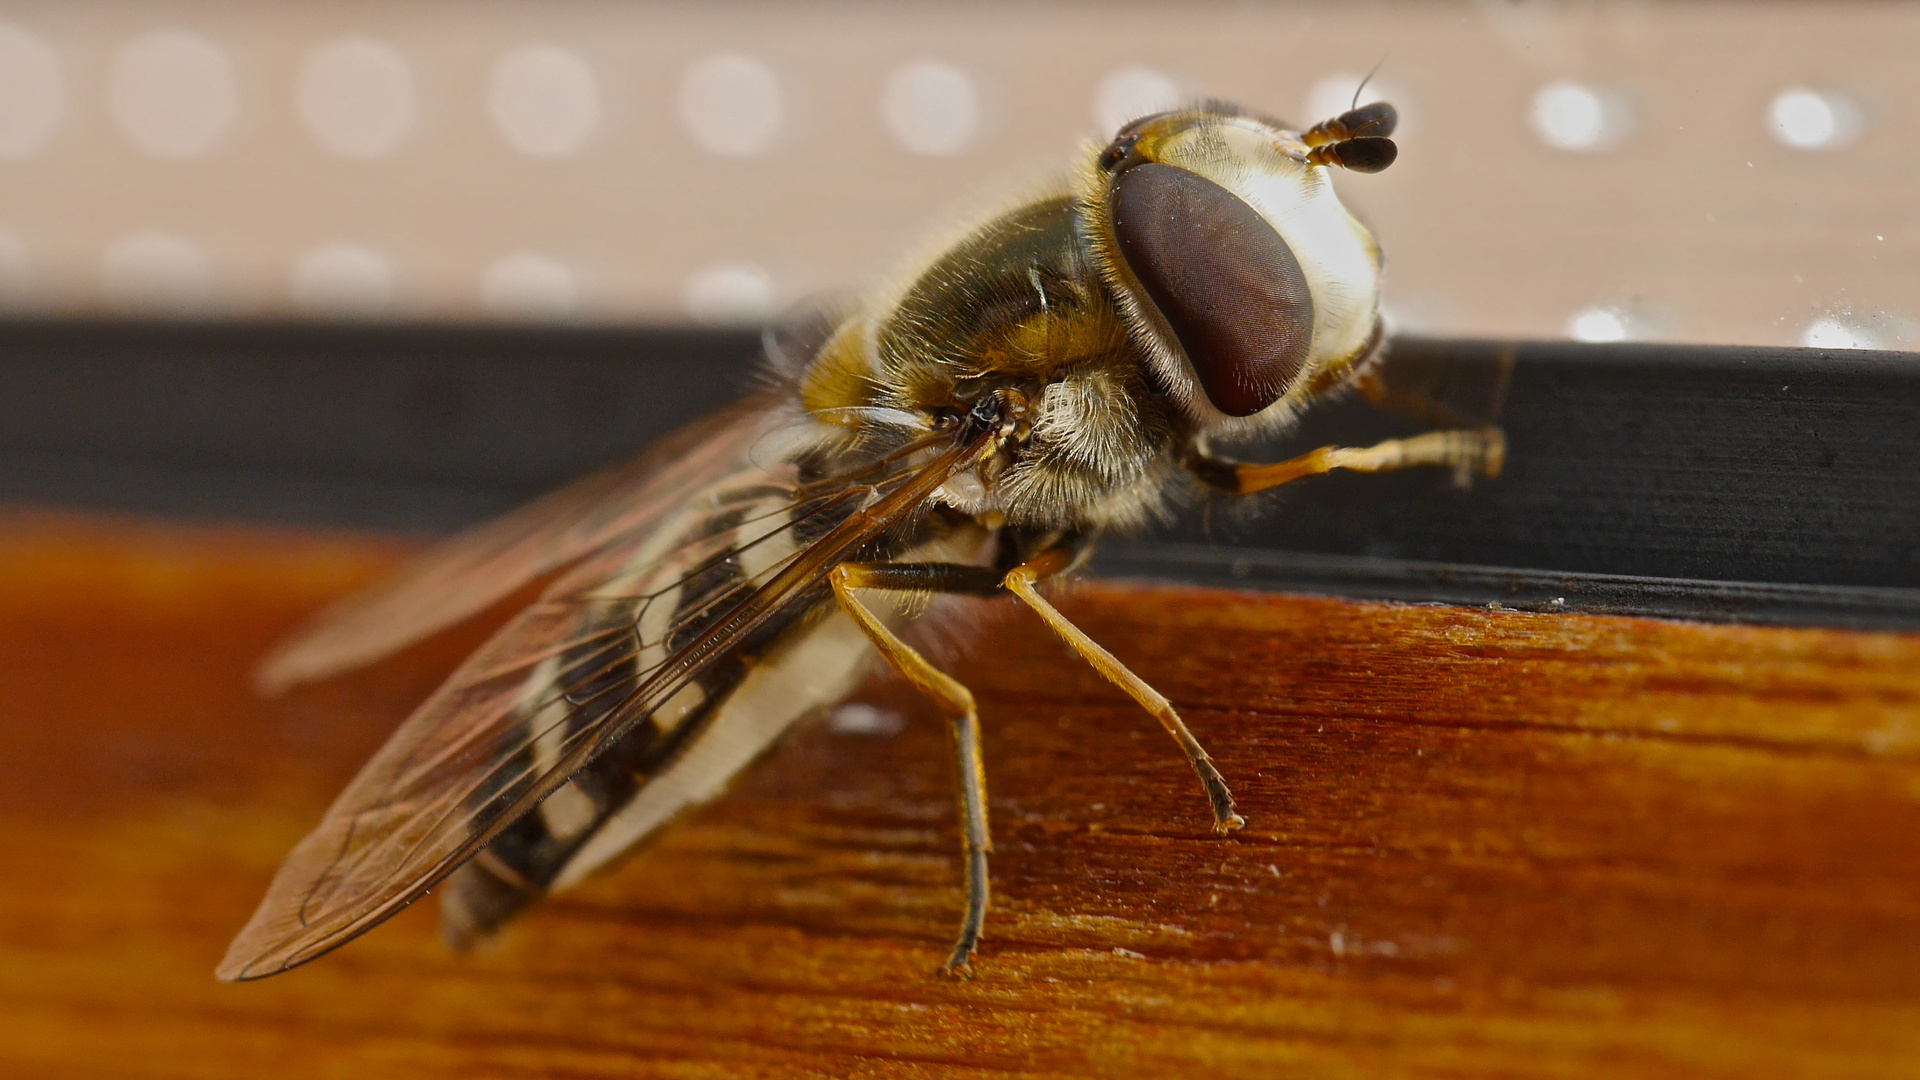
(1056, 371)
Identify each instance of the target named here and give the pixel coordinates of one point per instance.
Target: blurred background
(1730, 172)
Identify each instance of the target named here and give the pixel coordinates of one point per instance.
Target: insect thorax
(1018, 303)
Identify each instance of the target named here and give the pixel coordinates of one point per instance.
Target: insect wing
(510, 726)
(470, 573)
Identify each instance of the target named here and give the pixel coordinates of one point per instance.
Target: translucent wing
(471, 572)
(742, 559)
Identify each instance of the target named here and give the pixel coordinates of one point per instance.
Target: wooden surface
(1479, 843)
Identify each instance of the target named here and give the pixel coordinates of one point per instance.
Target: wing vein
(571, 674)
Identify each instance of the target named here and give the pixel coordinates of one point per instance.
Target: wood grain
(1480, 843)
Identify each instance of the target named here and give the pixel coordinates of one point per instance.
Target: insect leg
(1466, 451)
(1020, 581)
(940, 686)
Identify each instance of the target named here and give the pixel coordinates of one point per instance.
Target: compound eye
(1228, 286)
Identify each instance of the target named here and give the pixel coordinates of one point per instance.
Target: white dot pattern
(544, 101)
(731, 105)
(156, 272)
(1579, 118)
(173, 93)
(357, 97)
(1810, 120)
(343, 279)
(730, 293)
(530, 286)
(931, 108)
(1579, 186)
(1598, 324)
(1837, 333)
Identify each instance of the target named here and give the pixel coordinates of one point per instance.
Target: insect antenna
(1375, 120)
(1375, 70)
(1356, 139)
(1367, 154)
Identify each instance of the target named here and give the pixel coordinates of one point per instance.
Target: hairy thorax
(1018, 305)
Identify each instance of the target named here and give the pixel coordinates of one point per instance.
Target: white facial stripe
(1334, 255)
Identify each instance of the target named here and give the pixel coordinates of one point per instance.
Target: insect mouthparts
(1002, 412)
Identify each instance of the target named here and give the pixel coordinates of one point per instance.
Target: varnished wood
(1478, 843)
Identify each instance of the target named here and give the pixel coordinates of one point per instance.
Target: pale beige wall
(1699, 224)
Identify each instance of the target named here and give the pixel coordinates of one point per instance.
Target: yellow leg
(1020, 581)
(1466, 451)
(958, 701)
